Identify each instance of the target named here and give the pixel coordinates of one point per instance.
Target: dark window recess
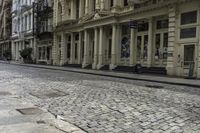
(110, 48)
(76, 51)
(111, 3)
(189, 17)
(68, 50)
(189, 54)
(162, 24)
(125, 2)
(143, 27)
(188, 33)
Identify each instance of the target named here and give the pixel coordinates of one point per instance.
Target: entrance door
(160, 49)
(142, 49)
(189, 60)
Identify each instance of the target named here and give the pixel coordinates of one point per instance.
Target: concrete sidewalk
(130, 76)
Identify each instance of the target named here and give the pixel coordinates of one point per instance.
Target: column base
(84, 65)
(170, 71)
(112, 66)
(94, 66)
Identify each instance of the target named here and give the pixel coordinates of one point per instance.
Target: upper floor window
(189, 17)
(143, 27)
(111, 3)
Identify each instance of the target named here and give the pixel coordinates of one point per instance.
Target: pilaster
(171, 40)
(72, 56)
(63, 50)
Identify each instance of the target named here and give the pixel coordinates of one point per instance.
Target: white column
(17, 51)
(86, 49)
(79, 48)
(150, 43)
(55, 50)
(114, 45)
(86, 6)
(133, 48)
(82, 7)
(13, 50)
(97, 4)
(72, 9)
(96, 42)
(101, 51)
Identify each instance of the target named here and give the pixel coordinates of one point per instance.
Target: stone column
(63, 50)
(73, 9)
(96, 42)
(97, 4)
(17, 51)
(72, 53)
(101, 51)
(82, 7)
(171, 41)
(86, 6)
(114, 45)
(86, 49)
(150, 43)
(133, 48)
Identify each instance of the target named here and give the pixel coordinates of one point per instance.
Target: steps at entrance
(73, 65)
(124, 69)
(105, 67)
(155, 70)
(88, 67)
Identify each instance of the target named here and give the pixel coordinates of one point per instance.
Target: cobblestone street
(100, 104)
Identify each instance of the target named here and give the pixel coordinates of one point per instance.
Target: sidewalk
(142, 77)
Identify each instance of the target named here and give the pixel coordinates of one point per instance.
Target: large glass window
(189, 17)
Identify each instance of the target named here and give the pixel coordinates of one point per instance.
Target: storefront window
(165, 46)
(145, 49)
(125, 47)
(139, 44)
(157, 47)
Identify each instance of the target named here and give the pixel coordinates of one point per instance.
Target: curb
(107, 75)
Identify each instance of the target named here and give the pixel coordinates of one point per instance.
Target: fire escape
(43, 27)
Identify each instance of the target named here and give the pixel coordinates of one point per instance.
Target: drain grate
(4, 93)
(30, 111)
(155, 86)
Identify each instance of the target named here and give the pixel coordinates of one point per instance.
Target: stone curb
(108, 74)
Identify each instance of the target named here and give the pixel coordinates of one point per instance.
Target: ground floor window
(125, 47)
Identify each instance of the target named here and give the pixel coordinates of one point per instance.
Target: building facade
(5, 28)
(22, 28)
(156, 34)
(44, 30)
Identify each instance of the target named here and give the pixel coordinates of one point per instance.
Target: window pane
(189, 17)
(188, 33)
(162, 24)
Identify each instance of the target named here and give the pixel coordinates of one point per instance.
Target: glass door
(160, 49)
(142, 49)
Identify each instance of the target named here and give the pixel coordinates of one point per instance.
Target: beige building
(160, 35)
(5, 28)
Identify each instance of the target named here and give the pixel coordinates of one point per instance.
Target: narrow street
(98, 104)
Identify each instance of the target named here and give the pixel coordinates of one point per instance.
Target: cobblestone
(102, 104)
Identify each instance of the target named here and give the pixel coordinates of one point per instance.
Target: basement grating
(155, 86)
(30, 111)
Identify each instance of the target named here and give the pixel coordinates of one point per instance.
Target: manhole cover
(4, 93)
(154, 86)
(30, 111)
